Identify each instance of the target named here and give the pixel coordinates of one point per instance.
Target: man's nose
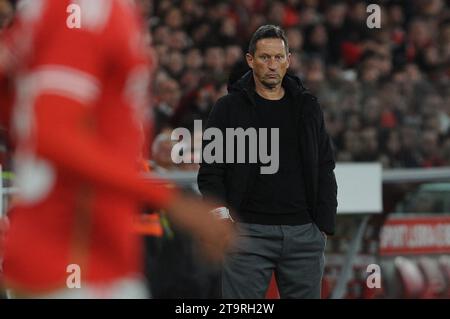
(272, 64)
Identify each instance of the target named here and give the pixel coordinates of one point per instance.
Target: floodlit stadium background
(386, 97)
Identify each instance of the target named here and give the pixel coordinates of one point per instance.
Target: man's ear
(249, 59)
(288, 59)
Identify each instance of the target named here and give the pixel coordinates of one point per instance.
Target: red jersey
(81, 98)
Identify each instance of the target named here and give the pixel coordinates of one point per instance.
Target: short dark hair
(268, 31)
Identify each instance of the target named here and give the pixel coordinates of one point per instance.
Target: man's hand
(194, 215)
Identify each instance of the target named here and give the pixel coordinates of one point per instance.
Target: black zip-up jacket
(232, 183)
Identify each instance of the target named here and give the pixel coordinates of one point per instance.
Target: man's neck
(275, 93)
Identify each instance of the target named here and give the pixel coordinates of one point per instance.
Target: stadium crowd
(385, 92)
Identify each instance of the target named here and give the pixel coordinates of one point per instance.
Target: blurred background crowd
(385, 92)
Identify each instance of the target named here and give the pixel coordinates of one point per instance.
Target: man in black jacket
(282, 217)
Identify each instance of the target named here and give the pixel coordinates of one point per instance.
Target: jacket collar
(246, 84)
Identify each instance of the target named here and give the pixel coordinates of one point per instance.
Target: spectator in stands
(161, 153)
(430, 149)
(167, 97)
(370, 150)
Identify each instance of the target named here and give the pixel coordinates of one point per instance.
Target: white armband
(222, 213)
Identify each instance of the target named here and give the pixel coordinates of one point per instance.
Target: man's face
(270, 62)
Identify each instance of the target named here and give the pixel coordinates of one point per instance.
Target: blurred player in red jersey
(77, 121)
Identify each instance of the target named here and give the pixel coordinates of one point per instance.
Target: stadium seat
(434, 278)
(412, 280)
(444, 264)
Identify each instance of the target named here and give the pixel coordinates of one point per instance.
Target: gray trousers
(294, 253)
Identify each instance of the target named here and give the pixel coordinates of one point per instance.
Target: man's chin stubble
(270, 85)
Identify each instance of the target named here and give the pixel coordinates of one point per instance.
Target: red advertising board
(415, 235)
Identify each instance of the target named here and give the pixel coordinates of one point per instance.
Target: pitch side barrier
(359, 195)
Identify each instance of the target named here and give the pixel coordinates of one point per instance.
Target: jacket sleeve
(327, 186)
(211, 176)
